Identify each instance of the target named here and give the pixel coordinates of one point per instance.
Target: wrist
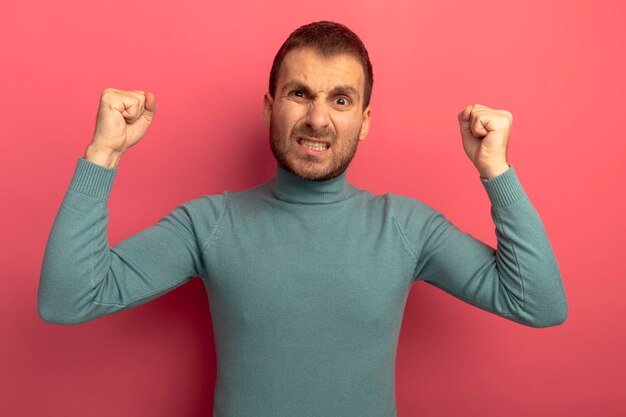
(103, 157)
(493, 170)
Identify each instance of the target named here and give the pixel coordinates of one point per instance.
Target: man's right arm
(82, 278)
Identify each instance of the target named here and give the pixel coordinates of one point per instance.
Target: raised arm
(82, 277)
(520, 279)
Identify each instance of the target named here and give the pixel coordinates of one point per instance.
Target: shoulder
(207, 202)
(404, 208)
(407, 212)
(205, 208)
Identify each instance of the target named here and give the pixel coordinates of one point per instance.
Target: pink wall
(557, 66)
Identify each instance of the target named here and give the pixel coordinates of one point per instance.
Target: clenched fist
(123, 119)
(485, 134)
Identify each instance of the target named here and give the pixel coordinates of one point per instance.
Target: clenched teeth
(314, 145)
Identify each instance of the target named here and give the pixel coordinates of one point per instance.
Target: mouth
(318, 145)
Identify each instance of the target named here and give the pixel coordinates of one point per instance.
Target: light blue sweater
(307, 281)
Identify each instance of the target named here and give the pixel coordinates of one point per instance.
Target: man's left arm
(519, 280)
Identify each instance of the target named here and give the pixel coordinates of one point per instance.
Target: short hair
(329, 39)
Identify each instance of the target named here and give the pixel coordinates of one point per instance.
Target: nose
(317, 117)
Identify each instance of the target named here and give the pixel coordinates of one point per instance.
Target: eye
(297, 93)
(342, 101)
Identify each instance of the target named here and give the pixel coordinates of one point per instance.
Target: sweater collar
(289, 187)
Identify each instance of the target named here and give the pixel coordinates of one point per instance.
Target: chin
(306, 171)
(308, 167)
(317, 174)
(307, 174)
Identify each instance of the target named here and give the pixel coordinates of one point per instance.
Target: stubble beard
(310, 163)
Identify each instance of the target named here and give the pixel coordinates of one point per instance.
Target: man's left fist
(485, 134)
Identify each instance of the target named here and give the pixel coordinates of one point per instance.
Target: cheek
(286, 120)
(292, 111)
(348, 127)
(282, 128)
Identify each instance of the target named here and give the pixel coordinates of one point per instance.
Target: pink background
(557, 66)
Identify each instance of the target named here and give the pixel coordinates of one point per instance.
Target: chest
(312, 265)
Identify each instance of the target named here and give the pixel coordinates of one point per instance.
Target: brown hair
(330, 39)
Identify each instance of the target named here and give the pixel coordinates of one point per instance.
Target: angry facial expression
(316, 117)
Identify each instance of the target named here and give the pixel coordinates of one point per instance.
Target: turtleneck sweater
(306, 280)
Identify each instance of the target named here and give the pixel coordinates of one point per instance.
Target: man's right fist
(123, 118)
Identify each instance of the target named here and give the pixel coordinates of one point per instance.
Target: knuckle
(108, 95)
(109, 90)
(507, 116)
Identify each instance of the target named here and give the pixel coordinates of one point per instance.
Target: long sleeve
(520, 280)
(83, 278)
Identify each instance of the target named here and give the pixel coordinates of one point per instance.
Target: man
(307, 276)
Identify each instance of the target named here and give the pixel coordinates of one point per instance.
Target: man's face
(316, 118)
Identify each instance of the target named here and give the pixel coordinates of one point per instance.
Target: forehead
(320, 72)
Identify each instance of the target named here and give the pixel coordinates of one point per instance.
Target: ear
(365, 127)
(267, 108)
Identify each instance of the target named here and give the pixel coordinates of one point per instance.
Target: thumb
(150, 105)
(150, 108)
(464, 119)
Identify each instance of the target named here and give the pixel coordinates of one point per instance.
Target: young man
(307, 276)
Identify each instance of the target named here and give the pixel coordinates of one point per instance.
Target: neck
(287, 186)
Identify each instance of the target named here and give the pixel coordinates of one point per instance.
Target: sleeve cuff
(93, 179)
(504, 189)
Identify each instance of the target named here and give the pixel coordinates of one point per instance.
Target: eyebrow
(339, 89)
